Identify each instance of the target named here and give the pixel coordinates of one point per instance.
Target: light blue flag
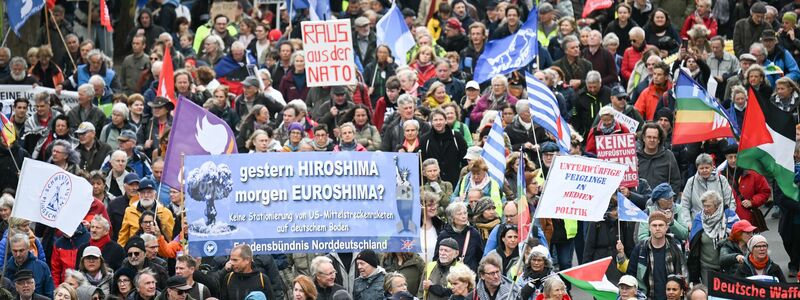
(318, 10)
(510, 53)
(545, 112)
(392, 31)
(494, 151)
(20, 10)
(628, 211)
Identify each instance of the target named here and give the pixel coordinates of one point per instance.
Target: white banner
(579, 188)
(9, 93)
(626, 121)
(52, 196)
(329, 52)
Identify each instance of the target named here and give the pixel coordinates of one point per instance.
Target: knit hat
(662, 191)
(790, 16)
(450, 243)
(484, 204)
(755, 240)
(368, 256)
(342, 295)
(134, 242)
(657, 215)
(768, 34)
(275, 35)
(664, 113)
(731, 149)
(758, 8)
(250, 81)
(295, 126)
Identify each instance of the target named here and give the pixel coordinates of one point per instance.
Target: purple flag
(195, 131)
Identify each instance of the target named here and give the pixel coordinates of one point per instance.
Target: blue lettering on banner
(303, 202)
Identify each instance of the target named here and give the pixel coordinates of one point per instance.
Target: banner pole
(181, 208)
(5, 36)
(58, 28)
(89, 22)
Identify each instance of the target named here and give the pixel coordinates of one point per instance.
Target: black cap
(147, 183)
(369, 257)
(548, 147)
(402, 295)
(161, 102)
(131, 178)
(23, 275)
(407, 12)
(135, 242)
(731, 149)
(339, 90)
(178, 283)
(768, 34)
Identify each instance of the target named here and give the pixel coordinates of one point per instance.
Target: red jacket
(65, 251)
(648, 100)
(709, 21)
(629, 59)
(751, 186)
(591, 147)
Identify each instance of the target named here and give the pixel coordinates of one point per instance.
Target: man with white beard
(18, 73)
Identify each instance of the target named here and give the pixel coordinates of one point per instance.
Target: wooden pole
(58, 28)
(47, 26)
(89, 22)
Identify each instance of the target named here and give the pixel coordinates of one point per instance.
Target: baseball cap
(178, 283)
(92, 251)
(131, 178)
(250, 81)
(361, 21)
(126, 135)
(619, 92)
(629, 281)
(147, 184)
(472, 84)
(84, 127)
(473, 152)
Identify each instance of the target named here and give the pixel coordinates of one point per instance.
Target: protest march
(399, 149)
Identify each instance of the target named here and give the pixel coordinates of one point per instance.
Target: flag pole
(47, 26)
(58, 28)
(181, 208)
(5, 37)
(89, 22)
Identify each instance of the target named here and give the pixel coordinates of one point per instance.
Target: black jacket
(448, 148)
(474, 251)
(327, 293)
(9, 168)
(518, 136)
(93, 159)
(116, 212)
(393, 132)
(601, 240)
(772, 269)
(588, 106)
(272, 105)
(239, 285)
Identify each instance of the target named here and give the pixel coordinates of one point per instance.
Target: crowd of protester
(617, 60)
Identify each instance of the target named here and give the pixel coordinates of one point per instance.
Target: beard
(18, 76)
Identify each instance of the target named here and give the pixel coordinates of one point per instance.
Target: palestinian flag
(698, 116)
(767, 144)
(591, 278)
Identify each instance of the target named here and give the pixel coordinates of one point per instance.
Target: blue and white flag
(20, 10)
(545, 112)
(494, 151)
(628, 211)
(509, 53)
(318, 10)
(392, 31)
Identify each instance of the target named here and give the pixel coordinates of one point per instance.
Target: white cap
(473, 84)
(629, 281)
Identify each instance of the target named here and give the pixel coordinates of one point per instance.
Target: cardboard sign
(579, 188)
(626, 121)
(329, 53)
(620, 148)
(225, 8)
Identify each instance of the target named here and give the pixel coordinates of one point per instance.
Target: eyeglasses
(331, 273)
(134, 254)
(495, 273)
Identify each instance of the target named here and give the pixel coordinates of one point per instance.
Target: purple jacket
(483, 104)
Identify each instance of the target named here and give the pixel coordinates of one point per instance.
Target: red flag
(51, 4)
(592, 5)
(166, 81)
(105, 17)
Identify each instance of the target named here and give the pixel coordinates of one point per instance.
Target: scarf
(101, 242)
(758, 264)
(668, 262)
(485, 227)
(496, 101)
(347, 146)
(410, 147)
(481, 184)
(714, 225)
(607, 130)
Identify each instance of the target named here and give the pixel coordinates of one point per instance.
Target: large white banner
(579, 188)
(328, 47)
(52, 196)
(9, 93)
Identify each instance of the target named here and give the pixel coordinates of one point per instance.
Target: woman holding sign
(607, 125)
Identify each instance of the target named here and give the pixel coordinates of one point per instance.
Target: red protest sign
(620, 148)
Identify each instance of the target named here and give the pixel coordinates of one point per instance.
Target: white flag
(51, 196)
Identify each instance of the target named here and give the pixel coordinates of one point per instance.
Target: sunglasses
(179, 292)
(134, 254)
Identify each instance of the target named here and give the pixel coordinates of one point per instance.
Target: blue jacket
(784, 60)
(697, 223)
(39, 249)
(41, 274)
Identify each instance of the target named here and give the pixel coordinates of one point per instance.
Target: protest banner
(724, 286)
(579, 188)
(328, 47)
(307, 202)
(620, 148)
(226, 8)
(9, 93)
(626, 121)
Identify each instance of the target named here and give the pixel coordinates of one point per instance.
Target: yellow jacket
(130, 223)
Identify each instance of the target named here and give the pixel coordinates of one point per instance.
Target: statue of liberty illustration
(405, 197)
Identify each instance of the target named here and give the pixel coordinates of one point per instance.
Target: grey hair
(87, 89)
(408, 74)
(594, 77)
(146, 237)
(77, 275)
(96, 79)
(145, 271)
(569, 39)
(500, 79)
(759, 46)
(704, 159)
(295, 55)
(121, 108)
(636, 31)
(453, 208)
(550, 283)
(165, 35)
(430, 162)
(238, 45)
(491, 259)
(217, 40)
(738, 89)
(119, 153)
(265, 72)
(156, 66)
(299, 106)
(7, 201)
(317, 262)
(711, 195)
(411, 122)
(523, 105)
(73, 156)
(7, 50)
(348, 124)
(20, 238)
(428, 196)
(406, 99)
(610, 38)
(17, 60)
(95, 52)
(102, 221)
